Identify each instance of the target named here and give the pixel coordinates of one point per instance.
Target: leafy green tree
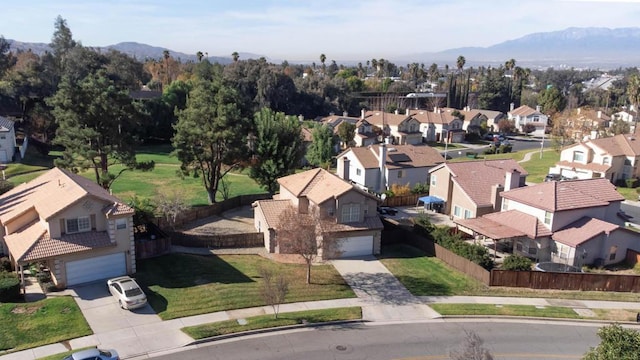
(633, 91)
(6, 58)
(210, 133)
(494, 91)
(619, 126)
(617, 343)
(321, 149)
(96, 121)
(346, 133)
(552, 101)
(517, 263)
(278, 147)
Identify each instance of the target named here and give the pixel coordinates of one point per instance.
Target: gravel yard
(235, 221)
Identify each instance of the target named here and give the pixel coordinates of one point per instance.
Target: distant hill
(134, 49)
(576, 47)
(590, 47)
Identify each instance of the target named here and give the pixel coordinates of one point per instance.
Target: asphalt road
(633, 210)
(517, 146)
(432, 340)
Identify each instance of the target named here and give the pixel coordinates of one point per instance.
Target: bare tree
(170, 205)
(471, 349)
(304, 234)
(274, 289)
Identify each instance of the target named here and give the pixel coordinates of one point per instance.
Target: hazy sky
(303, 29)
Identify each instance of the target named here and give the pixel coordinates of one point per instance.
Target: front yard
(181, 285)
(40, 323)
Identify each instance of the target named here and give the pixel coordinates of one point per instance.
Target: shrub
(631, 183)
(422, 188)
(636, 268)
(400, 190)
(454, 242)
(9, 287)
(504, 149)
(5, 264)
(517, 263)
(5, 186)
(490, 150)
(422, 225)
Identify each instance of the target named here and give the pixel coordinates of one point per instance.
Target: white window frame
(457, 210)
(606, 160)
(433, 180)
(467, 214)
(547, 217)
(578, 156)
(400, 174)
(82, 224)
(121, 223)
(358, 172)
(505, 204)
(350, 213)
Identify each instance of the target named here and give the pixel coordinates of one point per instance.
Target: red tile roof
(566, 195)
(583, 230)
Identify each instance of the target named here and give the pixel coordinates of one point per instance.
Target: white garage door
(356, 246)
(95, 268)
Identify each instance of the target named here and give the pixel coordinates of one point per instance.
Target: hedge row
(9, 287)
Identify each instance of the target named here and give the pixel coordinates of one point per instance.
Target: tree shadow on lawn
(183, 271)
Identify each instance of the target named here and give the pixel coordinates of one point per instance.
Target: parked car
(553, 177)
(94, 354)
(128, 292)
(385, 210)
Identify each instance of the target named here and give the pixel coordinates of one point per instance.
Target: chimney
(343, 168)
(435, 109)
(362, 114)
(382, 161)
(512, 106)
(538, 108)
(407, 112)
(512, 180)
(496, 199)
(578, 111)
(599, 114)
(345, 114)
(396, 112)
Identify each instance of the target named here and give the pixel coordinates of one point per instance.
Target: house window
(547, 217)
(536, 119)
(358, 172)
(433, 180)
(350, 213)
(578, 156)
(330, 211)
(121, 224)
(400, 174)
(413, 128)
(457, 210)
(606, 161)
(505, 204)
(467, 214)
(3, 137)
(80, 224)
(612, 252)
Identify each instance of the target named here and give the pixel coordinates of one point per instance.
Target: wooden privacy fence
(566, 281)
(463, 265)
(218, 241)
(147, 248)
(404, 200)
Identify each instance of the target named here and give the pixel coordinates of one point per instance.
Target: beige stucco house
(69, 224)
(471, 189)
(350, 214)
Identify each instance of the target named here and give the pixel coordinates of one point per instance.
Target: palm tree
(633, 91)
(166, 55)
(374, 65)
(460, 63)
(510, 64)
(235, 56)
(199, 55)
(323, 58)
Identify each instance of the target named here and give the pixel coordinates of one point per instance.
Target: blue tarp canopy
(430, 200)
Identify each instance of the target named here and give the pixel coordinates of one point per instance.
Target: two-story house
(378, 167)
(614, 158)
(583, 124)
(400, 129)
(570, 222)
(524, 115)
(629, 116)
(439, 126)
(366, 133)
(350, 212)
(7, 140)
(71, 225)
(471, 189)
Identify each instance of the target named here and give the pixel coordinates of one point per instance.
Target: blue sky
(302, 30)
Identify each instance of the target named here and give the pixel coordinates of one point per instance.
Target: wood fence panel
(218, 241)
(565, 281)
(404, 200)
(147, 248)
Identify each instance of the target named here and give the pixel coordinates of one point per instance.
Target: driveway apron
(383, 296)
(130, 332)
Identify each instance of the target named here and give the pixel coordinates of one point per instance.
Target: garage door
(3, 156)
(95, 268)
(356, 246)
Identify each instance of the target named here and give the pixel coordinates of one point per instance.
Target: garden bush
(5, 264)
(517, 263)
(421, 188)
(631, 183)
(9, 287)
(454, 242)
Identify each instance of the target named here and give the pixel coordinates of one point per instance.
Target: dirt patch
(235, 221)
(618, 315)
(27, 310)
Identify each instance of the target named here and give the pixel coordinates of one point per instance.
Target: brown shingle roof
(524, 110)
(271, 209)
(489, 228)
(369, 223)
(379, 118)
(528, 224)
(412, 155)
(50, 193)
(476, 178)
(427, 117)
(583, 230)
(318, 185)
(588, 166)
(623, 144)
(566, 195)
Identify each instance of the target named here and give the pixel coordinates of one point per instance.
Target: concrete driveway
(131, 333)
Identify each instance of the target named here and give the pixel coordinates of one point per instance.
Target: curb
(534, 318)
(275, 329)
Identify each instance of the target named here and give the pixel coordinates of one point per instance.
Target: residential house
(493, 118)
(378, 167)
(571, 222)
(629, 116)
(614, 158)
(351, 213)
(584, 124)
(524, 115)
(439, 126)
(366, 133)
(472, 119)
(471, 189)
(334, 122)
(69, 224)
(7, 140)
(400, 129)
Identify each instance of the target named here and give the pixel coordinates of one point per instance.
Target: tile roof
(618, 145)
(271, 209)
(398, 156)
(5, 124)
(582, 231)
(489, 228)
(429, 117)
(318, 185)
(476, 178)
(589, 166)
(528, 224)
(524, 110)
(379, 118)
(50, 193)
(566, 195)
(117, 209)
(33, 243)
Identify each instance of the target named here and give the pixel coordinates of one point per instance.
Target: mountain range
(591, 47)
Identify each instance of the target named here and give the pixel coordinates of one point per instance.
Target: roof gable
(318, 185)
(582, 231)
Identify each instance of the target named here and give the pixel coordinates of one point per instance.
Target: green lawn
(423, 275)
(182, 285)
(39, 323)
(538, 167)
(269, 321)
(505, 310)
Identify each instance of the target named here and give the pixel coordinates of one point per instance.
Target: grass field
(505, 310)
(183, 285)
(40, 323)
